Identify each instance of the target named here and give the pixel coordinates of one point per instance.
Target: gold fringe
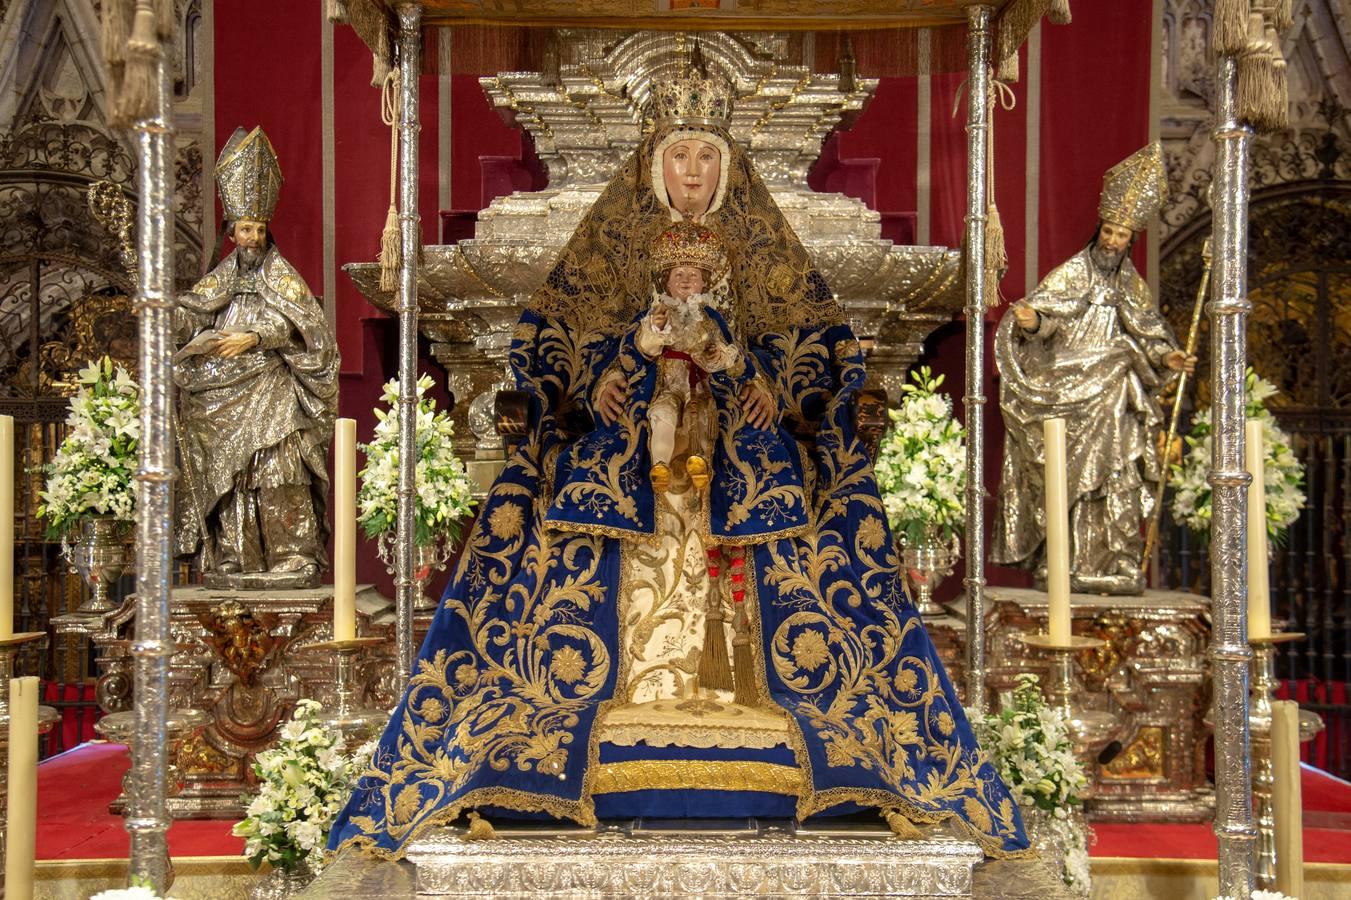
(1283, 15)
(1230, 28)
(165, 19)
(1059, 13)
(116, 27)
(136, 98)
(715, 672)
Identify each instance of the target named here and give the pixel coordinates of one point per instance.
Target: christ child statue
(688, 262)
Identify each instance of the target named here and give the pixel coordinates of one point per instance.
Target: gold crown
(248, 176)
(688, 244)
(1134, 189)
(692, 98)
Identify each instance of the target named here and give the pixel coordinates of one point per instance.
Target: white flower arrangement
(1029, 745)
(135, 892)
(92, 472)
(444, 490)
(304, 780)
(921, 465)
(1282, 472)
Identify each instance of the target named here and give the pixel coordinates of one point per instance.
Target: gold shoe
(697, 468)
(661, 477)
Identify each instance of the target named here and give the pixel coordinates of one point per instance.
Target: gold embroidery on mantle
(663, 723)
(691, 774)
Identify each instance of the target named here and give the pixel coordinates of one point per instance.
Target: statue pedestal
(692, 863)
(1150, 674)
(243, 658)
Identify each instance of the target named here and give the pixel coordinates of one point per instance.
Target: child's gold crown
(689, 244)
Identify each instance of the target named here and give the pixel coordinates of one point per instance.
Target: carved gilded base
(243, 658)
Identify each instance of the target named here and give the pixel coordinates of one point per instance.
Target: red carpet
(75, 788)
(1327, 829)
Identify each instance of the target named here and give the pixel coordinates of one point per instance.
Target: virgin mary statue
(577, 667)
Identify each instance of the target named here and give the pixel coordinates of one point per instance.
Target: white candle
(1286, 798)
(344, 530)
(21, 818)
(1259, 591)
(6, 527)
(1057, 531)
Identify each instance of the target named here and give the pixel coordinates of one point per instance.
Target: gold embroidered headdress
(1134, 189)
(248, 176)
(688, 244)
(602, 279)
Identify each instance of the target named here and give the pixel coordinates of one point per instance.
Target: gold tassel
(116, 28)
(996, 255)
(1059, 13)
(382, 60)
(1279, 112)
(1283, 16)
(390, 257)
(337, 11)
(743, 660)
(901, 826)
(1230, 29)
(1008, 68)
(136, 99)
(715, 672)
(165, 19)
(1261, 97)
(480, 829)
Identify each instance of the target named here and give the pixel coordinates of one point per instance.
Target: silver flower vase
(927, 563)
(99, 556)
(280, 884)
(427, 558)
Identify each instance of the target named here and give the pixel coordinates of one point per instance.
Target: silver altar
(842, 861)
(243, 658)
(585, 120)
(1150, 675)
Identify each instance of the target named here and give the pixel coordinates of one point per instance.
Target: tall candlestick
(1287, 798)
(345, 530)
(1057, 531)
(21, 817)
(1259, 591)
(6, 527)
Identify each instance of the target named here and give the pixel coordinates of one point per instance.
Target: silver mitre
(1134, 189)
(248, 176)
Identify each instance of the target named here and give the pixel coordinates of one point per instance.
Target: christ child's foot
(660, 473)
(697, 467)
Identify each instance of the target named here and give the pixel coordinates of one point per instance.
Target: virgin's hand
(231, 345)
(759, 406)
(610, 401)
